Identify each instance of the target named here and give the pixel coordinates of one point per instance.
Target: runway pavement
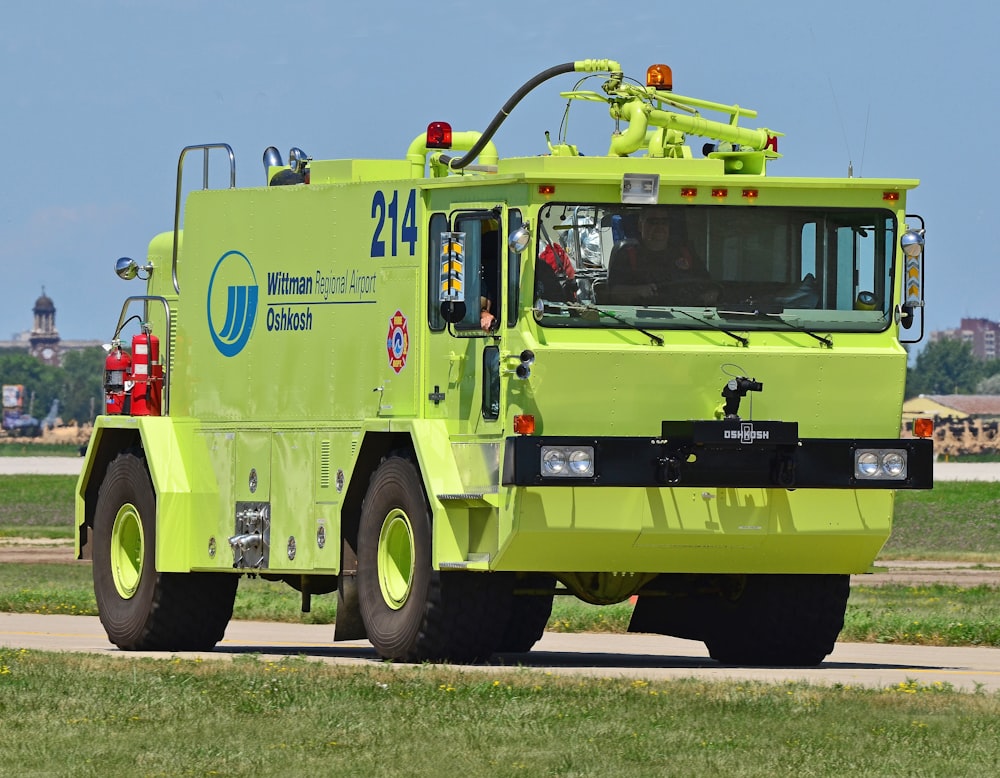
(591, 654)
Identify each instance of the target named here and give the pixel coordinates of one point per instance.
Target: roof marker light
(689, 191)
(750, 194)
(439, 135)
(890, 197)
(546, 189)
(720, 193)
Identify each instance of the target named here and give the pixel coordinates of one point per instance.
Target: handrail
(205, 147)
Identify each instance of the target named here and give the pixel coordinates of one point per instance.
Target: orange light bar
(689, 191)
(890, 197)
(720, 193)
(923, 428)
(438, 135)
(660, 77)
(750, 194)
(546, 189)
(524, 424)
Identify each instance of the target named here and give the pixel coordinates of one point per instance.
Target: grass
(34, 506)
(925, 615)
(956, 520)
(13, 447)
(68, 714)
(935, 615)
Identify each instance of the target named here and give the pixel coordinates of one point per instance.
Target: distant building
(953, 406)
(42, 341)
(982, 335)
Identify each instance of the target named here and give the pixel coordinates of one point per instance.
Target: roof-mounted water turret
(656, 121)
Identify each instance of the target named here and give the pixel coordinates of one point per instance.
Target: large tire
(529, 614)
(411, 612)
(780, 620)
(142, 609)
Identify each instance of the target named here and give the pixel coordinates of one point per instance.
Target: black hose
(515, 98)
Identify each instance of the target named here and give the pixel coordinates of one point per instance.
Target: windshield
(691, 267)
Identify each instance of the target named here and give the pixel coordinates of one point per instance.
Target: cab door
(463, 375)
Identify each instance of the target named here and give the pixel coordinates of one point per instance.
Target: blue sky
(100, 96)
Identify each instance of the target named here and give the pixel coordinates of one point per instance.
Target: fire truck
(449, 386)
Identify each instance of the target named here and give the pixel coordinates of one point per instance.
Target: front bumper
(706, 454)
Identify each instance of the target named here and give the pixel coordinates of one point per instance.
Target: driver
(660, 268)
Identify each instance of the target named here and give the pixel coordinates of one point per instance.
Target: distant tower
(44, 335)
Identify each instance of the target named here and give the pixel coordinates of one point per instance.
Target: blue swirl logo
(236, 306)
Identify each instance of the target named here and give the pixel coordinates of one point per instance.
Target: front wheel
(411, 612)
(780, 620)
(140, 608)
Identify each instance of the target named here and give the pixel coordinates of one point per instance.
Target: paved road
(40, 465)
(596, 655)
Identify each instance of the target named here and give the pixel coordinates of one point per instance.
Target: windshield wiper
(743, 341)
(588, 307)
(777, 317)
(826, 341)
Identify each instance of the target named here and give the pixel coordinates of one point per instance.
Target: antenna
(836, 107)
(864, 144)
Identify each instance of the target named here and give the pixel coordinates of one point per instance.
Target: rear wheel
(780, 620)
(411, 612)
(140, 608)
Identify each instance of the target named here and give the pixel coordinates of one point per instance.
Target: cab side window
(438, 224)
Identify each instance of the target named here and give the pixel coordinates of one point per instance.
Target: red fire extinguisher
(116, 373)
(147, 373)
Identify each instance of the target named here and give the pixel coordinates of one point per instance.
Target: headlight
(880, 464)
(567, 461)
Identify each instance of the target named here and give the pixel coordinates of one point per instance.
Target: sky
(100, 96)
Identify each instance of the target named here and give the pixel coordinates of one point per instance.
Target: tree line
(78, 384)
(950, 367)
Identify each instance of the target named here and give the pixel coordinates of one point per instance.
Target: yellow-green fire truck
(450, 386)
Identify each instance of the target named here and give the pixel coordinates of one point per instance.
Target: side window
(482, 267)
(438, 224)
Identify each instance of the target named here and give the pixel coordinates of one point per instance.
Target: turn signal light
(524, 424)
(923, 428)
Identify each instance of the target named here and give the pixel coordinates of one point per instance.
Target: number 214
(404, 230)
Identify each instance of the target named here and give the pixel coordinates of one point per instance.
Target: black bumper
(693, 454)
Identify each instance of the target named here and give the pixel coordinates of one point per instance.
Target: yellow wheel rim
(396, 559)
(127, 544)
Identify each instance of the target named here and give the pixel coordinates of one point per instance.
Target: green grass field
(92, 716)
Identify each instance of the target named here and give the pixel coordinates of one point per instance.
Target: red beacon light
(439, 135)
(660, 77)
